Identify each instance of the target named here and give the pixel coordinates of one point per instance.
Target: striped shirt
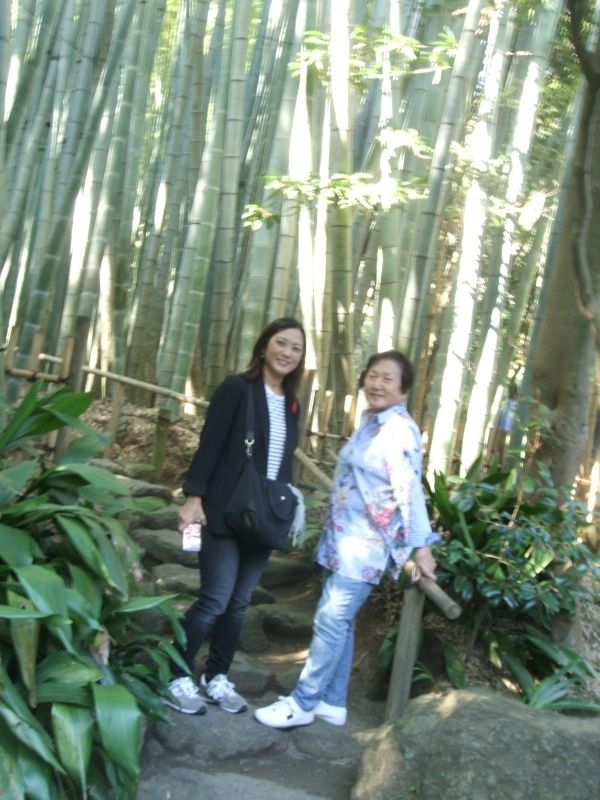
(377, 512)
(276, 406)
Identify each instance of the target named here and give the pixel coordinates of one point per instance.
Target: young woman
(229, 570)
(376, 518)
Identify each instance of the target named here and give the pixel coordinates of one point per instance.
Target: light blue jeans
(326, 673)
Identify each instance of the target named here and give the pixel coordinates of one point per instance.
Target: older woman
(376, 519)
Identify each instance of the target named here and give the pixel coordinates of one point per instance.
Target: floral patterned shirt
(377, 511)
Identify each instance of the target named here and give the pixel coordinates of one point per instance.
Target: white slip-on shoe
(284, 713)
(335, 715)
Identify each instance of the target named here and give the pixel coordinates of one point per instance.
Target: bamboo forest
(414, 174)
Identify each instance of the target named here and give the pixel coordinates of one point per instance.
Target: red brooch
(294, 407)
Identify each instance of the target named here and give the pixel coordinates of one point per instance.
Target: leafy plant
(77, 671)
(555, 691)
(511, 553)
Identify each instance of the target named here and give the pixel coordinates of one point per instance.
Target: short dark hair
(407, 371)
(254, 370)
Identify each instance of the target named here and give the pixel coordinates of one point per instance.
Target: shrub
(512, 556)
(78, 674)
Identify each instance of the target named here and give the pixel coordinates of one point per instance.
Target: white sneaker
(284, 713)
(335, 715)
(185, 696)
(222, 692)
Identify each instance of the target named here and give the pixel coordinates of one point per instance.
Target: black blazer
(218, 461)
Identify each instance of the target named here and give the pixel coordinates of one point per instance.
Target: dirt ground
(134, 443)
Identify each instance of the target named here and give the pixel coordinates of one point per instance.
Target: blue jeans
(229, 571)
(326, 673)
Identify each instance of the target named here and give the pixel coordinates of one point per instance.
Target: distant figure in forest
(229, 569)
(376, 518)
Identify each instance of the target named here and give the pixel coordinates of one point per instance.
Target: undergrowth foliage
(78, 673)
(512, 556)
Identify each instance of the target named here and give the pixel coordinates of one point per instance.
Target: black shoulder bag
(260, 511)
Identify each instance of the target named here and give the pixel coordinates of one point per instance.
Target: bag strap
(249, 440)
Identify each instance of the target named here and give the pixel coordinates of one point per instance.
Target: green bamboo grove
(176, 172)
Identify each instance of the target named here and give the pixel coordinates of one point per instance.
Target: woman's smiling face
(382, 385)
(283, 353)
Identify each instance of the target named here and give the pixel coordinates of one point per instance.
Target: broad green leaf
(111, 565)
(88, 587)
(44, 587)
(7, 612)
(141, 603)
(17, 548)
(73, 731)
(80, 538)
(455, 669)
(120, 723)
(97, 476)
(65, 668)
(66, 401)
(54, 692)
(20, 416)
(84, 448)
(14, 479)
(80, 610)
(522, 676)
(23, 508)
(25, 635)
(11, 780)
(38, 776)
(148, 700)
(538, 560)
(22, 723)
(47, 590)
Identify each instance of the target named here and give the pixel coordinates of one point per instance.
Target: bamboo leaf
(72, 727)
(119, 721)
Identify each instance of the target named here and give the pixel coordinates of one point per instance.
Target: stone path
(219, 756)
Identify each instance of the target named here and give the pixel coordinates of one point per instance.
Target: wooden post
(407, 642)
(405, 653)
